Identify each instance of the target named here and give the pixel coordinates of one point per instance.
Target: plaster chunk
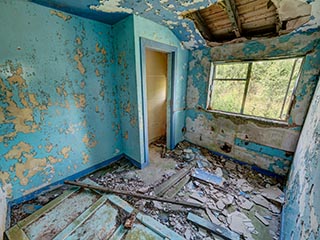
(110, 6)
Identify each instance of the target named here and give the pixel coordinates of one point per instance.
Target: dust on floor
(244, 201)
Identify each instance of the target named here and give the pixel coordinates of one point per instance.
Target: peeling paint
(111, 6)
(301, 211)
(17, 151)
(60, 15)
(89, 140)
(80, 100)
(227, 128)
(78, 58)
(85, 158)
(50, 91)
(65, 151)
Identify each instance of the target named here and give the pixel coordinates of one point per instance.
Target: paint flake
(110, 6)
(60, 15)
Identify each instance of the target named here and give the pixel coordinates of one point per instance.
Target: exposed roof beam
(201, 25)
(230, 8)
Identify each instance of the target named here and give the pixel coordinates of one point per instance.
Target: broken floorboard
(166, 185)
(87, 214)
(216, 229)
(137, 195)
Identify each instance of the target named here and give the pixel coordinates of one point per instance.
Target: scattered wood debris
(262, 219)
(216, 229)
(229, 199)
(130, 221)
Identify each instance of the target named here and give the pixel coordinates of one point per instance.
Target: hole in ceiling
(230, 21)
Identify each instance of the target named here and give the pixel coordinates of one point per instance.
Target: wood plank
(166, 185)
(177, 187)
(249, 26)
(262, 13)
(140, 231)
(16, 233)
(207, 177)
(233, 17)
(137, 195)
(100, 225)
(251, 7)
(120, 203)
(79, 220)
(216, 229)
(33, 217)
(216, 16)
(158, 227)
(119, 233)
(219, 23)
(201, 25)
(214, 8)
(54, 221)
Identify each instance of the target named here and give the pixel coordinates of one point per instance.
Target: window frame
(212, 79)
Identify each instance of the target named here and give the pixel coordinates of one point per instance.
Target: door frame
(172, 52)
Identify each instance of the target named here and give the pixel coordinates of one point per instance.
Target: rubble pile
(236, 198)
(236, 202)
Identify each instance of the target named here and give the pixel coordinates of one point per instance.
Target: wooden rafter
(201, 25)
(232, 12)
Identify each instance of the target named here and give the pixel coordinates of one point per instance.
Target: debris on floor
(238, 201)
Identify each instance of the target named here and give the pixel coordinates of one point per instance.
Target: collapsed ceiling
(239, 20)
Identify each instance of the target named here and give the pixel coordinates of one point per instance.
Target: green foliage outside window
(263, 90)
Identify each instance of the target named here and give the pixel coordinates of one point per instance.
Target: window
(259, 88)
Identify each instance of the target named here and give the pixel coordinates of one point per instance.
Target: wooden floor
(85, 214)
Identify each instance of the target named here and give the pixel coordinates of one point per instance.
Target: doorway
(161, 92)
(156, 83)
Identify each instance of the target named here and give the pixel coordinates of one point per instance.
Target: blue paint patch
(6, 128)
(253, 167)
(61, 182)
(81, 8)
(261, 149)
(253, 47)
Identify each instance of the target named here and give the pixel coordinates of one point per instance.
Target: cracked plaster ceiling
(170, 13)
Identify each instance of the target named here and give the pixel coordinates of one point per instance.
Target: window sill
(280, 123)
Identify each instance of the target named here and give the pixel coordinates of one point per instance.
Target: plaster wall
(269, 145)
(302, 209)
(58, 104)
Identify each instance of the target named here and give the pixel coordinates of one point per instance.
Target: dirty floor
(236, 198)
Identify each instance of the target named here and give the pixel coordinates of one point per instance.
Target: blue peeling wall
(58, 104)
(147, 29)
(128, 73)
(302, 209)
(71, 94)
(270, 145)
(125, 76)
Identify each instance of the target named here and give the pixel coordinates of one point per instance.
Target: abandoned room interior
(189, 119)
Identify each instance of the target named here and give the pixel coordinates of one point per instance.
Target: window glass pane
(227, 95)
(231, 71)
(267, 87)
(291, 87)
